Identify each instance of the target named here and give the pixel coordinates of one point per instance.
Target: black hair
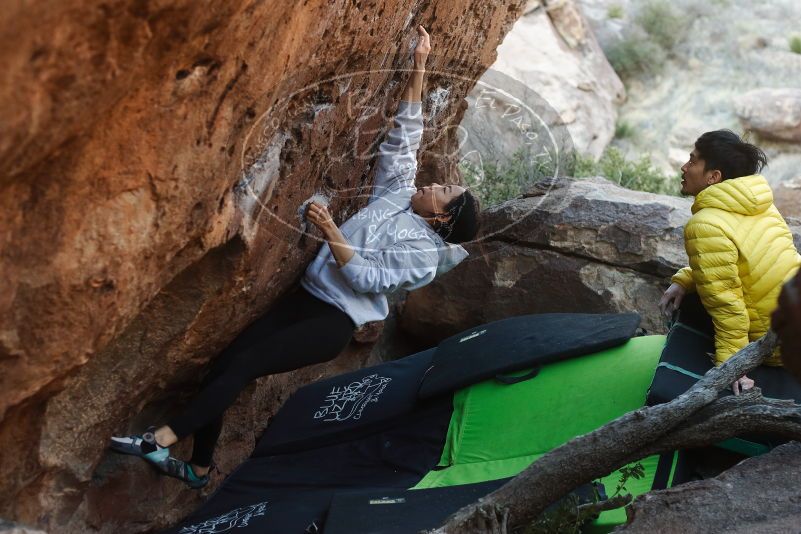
(464, 221)
(723, 150)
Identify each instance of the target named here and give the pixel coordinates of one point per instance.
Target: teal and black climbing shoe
(183, 471)
(144, 446)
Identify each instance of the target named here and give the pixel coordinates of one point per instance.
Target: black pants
(299, 330)
(702, 462)
(693, 314)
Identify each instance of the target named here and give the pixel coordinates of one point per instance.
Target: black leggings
(692, 313)
(299, 330)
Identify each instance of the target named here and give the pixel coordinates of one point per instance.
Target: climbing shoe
(144, 446)
(183, 471)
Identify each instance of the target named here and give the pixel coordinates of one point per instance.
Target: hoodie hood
(747, 195)
(450, 255)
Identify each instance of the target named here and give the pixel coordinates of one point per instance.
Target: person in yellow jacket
(740, 249)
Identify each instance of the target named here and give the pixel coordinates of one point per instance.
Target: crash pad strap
(512, 379)
(681, 370)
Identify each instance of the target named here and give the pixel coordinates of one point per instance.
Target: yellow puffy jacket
(741, 252)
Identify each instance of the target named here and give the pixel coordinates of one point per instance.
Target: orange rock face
(152, 160)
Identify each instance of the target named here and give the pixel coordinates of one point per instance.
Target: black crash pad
(522, 342)
(345, 407)
(401, 512)
(291, 493)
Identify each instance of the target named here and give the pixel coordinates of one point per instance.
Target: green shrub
(662, 22)
(639, 175)
(615, 11)
(497, 181)
(624, 130)
(644, 50)
(795, 44)
(636, 55)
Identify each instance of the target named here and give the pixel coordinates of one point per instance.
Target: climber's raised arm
(397, 155)
(414, 88)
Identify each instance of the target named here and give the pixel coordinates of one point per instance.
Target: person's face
(432, 199)
(693, 177)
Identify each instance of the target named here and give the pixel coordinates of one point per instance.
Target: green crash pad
(497, 430)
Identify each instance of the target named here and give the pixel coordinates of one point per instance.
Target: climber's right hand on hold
(422, 49)
(672, 298)
(319, 216)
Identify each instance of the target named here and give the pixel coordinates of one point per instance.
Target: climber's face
(694, 178)
(432, 199)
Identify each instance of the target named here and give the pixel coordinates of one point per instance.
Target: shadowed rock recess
(151, 151)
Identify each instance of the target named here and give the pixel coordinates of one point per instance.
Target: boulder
(609, 19)
(553, 52)
(795, 227)
(787, 197)
(772, 113)
(757, 495)
(578, 246)
(152, 161)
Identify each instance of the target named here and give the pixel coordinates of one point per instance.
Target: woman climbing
(402, 239)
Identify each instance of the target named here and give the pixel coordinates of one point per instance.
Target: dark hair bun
(464, 221)
(725, 151)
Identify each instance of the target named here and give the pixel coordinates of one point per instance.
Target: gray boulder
(772, 113)
(758, 495)
(552, 51)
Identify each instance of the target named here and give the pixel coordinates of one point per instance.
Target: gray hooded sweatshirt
(394, 247)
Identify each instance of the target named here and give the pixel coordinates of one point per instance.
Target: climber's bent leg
(318, 334)
(280, 315)
(204, 438)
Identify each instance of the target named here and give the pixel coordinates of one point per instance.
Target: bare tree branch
(594, 455)
(729, 417)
